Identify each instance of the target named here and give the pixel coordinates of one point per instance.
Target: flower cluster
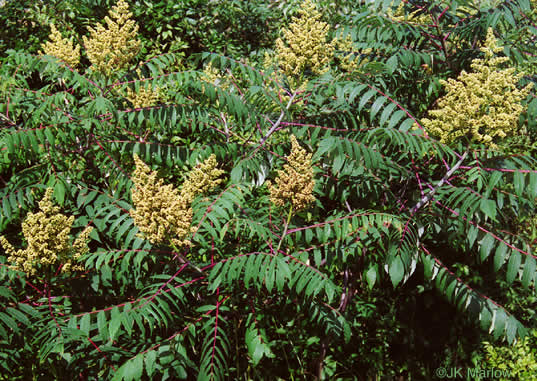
(305, 46)
(349, 59)
(482, 105)
(417, 16)
(202, 178)
(47, 234)
(162, 212)
(295, 183)
(213, 76)
(61, 48)
(112, 48)
(144, 97)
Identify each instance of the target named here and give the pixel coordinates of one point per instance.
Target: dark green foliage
(232, 27)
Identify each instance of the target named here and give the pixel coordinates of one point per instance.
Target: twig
(226, 128)
(8, 120)
(277, 123)
(285, 228)
(425, 199)
(183, 260)
(345, 293)
(320, 364)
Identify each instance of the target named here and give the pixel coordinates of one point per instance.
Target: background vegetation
(417, 250)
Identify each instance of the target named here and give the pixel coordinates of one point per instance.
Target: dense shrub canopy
(198, 189)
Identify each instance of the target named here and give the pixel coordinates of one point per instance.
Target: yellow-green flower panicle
(416, 16)
(113, 48)
(61, 48)
(162, 212)
(348, 58)
(304, 45)
(295, 183)
(481, 106)
(213, 76)
(80, 248)
(144, 97)
(202, 178)
(347, 61)
(47, 234)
